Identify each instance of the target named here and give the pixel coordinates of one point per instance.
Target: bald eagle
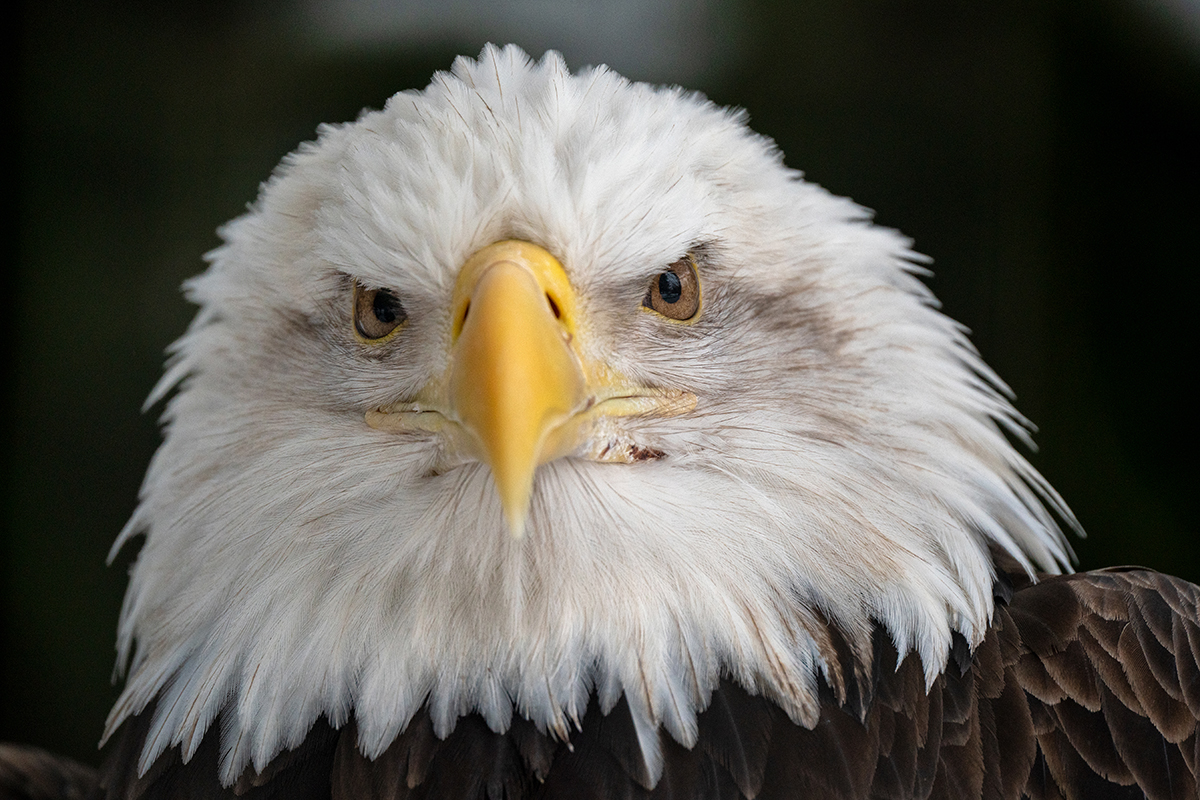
(543, 435)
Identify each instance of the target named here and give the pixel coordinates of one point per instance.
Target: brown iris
(675, 292)
(377, 313)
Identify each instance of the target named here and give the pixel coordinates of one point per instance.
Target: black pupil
(386, 307)
(669, 287)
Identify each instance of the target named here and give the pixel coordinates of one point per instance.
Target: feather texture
(1058, 700)
(845, 465)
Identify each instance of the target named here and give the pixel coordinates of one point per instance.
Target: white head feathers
(844, 463)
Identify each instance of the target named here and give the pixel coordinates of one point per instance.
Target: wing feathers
(1106, 695)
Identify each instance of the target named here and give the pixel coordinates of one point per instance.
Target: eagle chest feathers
(543, 435)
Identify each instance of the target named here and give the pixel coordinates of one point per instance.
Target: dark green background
(1043, 154)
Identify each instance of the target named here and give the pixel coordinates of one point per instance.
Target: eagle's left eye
(675, 292)
(377, 314)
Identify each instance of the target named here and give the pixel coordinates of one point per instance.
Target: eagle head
(536, 386)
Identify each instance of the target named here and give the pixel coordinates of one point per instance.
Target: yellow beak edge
(516, 381)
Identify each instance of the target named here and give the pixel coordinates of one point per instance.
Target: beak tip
(516, 527)
(514, 505)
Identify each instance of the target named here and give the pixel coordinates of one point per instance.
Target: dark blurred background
(1044, 154)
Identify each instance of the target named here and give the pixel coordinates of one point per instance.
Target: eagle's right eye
(378, 314)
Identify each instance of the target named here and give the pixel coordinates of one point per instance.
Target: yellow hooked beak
(518, 391)
(515, 379)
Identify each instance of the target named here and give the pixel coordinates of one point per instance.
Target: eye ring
(378, 314)
(675, 292)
